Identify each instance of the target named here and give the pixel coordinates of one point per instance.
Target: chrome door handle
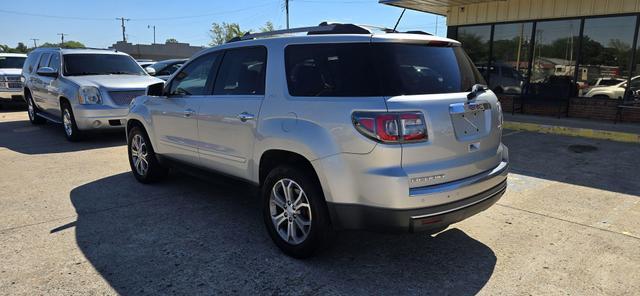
(244, 116)
(189, 112)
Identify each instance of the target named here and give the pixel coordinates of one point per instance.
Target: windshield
(364, 69)
(12, 62)
(100, 64)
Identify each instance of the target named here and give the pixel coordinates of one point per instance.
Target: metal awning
(440, 7)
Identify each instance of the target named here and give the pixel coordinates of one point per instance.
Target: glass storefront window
(606, 56)
(554, 51)
(510, 61)
(475, 42)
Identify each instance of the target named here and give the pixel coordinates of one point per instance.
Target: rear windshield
(100, 64)
(377, 69)
(12, 62)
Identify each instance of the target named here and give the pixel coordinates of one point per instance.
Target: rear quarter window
(330, 70)
(378, 69)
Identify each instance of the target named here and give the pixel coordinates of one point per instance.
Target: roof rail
(322, 28)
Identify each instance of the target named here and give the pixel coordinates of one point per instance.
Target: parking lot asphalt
(74, 221)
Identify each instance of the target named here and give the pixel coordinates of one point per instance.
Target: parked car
(145, 64)
(616, 91)
(10, 84)
(84, 89)
(341, 129)
(164, 69)
(503, 79)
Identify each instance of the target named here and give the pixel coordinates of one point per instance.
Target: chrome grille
(13, 77)
(124, 97)
(15, 85)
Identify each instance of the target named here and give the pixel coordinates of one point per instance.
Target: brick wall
(589, 108)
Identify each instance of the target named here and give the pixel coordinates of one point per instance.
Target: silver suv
(342, 128)
(84, 89)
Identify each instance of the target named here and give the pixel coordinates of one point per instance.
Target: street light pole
(154, 32)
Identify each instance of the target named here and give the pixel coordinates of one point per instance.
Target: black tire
(320, 232)
(32, 109)
(155, 171)
(70, 129)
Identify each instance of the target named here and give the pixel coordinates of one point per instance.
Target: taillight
(391, 127)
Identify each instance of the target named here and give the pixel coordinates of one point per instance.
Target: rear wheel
(142, 158)
(71, 131)
(32, 110)
(295, 212)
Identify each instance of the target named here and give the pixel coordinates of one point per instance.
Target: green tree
(21, 48)
(268, 27)
(67, 44)
(221, 33)
(171, 40)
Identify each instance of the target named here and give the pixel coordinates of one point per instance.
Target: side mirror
(150, 70)
(47, 71)
(156, 89)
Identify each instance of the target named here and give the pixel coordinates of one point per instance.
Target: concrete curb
(573, 131)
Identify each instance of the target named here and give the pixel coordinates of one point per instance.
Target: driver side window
(196, 78)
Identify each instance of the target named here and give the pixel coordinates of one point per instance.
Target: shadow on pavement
(23, 137)
(186, 236)
(601, 164)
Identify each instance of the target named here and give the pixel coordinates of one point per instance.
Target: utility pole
(286, 8)
(122, 19)
(34, 42)
(62, 38)
(154, 32)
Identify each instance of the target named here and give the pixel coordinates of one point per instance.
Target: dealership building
(576, 58)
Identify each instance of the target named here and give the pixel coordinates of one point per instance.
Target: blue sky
(93, 22)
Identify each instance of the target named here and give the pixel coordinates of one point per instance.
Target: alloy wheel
(66, 121)
(290, 211)
(139, 154)
(30, 109)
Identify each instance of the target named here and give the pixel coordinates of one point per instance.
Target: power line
(53, 16)
(135, 19)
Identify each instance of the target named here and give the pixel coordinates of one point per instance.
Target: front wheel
(71, 131)
(295, 212)
(142, 158)
(32, 110)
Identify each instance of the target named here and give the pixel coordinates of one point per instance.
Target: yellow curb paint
(574, 132)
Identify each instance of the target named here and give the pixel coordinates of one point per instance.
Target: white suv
(10, 83)
(342, 128)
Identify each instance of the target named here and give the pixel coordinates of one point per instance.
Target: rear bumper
(349, 216)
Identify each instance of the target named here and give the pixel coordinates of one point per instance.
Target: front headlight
(89, 95)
